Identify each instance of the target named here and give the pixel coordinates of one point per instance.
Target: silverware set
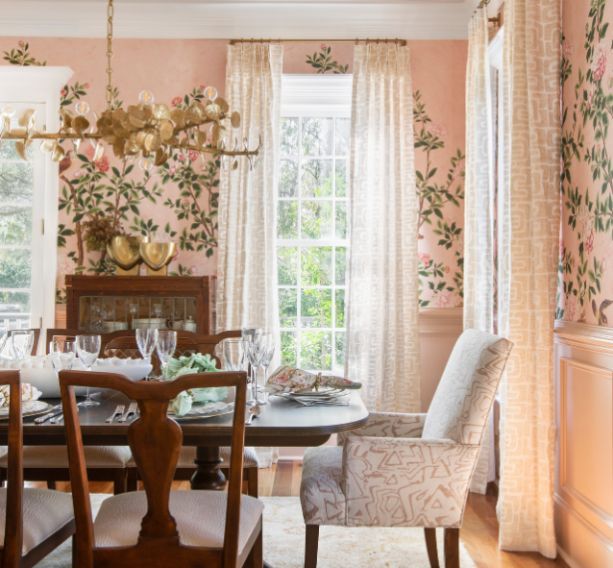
(121, 415)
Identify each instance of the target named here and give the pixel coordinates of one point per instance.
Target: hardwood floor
(479, 533)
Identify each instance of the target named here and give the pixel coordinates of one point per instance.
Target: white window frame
(40, 87)
(314, 96)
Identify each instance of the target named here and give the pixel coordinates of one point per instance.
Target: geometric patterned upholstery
(410, 469)
(466, 391)
(44, 513)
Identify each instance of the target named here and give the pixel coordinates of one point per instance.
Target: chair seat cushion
(57, 457)
(188, 455)
(323, 500)
(200, 517)
(44, 513)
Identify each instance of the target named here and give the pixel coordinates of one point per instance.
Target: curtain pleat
(382, 308)
(247, 264)
(479, 209)
(529, 224)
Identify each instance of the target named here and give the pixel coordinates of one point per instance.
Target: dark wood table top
(281, 423)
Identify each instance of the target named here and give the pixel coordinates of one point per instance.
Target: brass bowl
(157, 255)
(124, 251)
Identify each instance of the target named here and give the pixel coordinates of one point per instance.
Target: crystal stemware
(233, 354)
(254, 355)
(165, 346)
(21, 343)
(88, 349)
(146, 340)
(63, 353)
(267, 342)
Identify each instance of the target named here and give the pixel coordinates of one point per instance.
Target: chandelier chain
(109, 54)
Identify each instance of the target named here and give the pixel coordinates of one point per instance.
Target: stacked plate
(324, 396)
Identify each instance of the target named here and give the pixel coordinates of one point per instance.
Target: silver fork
(119, 410)
(129, 413)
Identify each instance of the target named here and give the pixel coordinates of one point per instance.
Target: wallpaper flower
(586, 267)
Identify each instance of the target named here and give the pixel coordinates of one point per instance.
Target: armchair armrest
(389, 425)
(406, 481)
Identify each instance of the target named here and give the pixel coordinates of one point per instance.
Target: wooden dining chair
(188, 342)
(158, 527)
(50, 463)
(33, 522)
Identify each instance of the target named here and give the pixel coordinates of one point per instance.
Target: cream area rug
(339, 547)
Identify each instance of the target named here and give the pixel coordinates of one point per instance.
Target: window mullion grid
(333, 287)
(298, 332)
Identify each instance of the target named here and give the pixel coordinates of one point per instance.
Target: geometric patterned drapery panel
(382, 307)
(479, 209)
(529, 227)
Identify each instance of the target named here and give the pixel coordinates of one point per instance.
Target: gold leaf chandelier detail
(148, 130)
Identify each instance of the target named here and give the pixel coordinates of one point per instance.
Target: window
(312, 220)
(19, 237)
(28, 201)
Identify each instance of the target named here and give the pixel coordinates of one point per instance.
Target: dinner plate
(28, 408)
(207, 410)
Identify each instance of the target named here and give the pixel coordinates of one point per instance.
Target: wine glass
(146, 340)
(88, 349)
(165, 346)
(267, 342)
(254, 355)
(233, 354)
(21, 343)
(63, 353)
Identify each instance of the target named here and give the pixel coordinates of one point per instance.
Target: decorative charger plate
(206, 410)
(28, 408)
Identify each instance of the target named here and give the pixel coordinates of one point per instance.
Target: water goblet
(21, 343)
(88, 349)
(268, 351)
(63, 353)
(146, 340)
(233, 354)
(254, 354)
(166, 346)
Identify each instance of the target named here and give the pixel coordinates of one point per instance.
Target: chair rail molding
(584, 465)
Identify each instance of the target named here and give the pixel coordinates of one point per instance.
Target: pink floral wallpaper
(586, 267)
(100, 197)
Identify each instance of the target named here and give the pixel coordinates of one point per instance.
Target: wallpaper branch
(101, 196)
(586, 287)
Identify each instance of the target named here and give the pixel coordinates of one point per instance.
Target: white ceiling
(315, 19)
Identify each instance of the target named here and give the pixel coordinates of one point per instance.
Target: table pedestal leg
(208, 475)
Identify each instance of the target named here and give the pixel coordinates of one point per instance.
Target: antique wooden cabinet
(112, 303)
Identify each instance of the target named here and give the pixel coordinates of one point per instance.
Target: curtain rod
(401, 42)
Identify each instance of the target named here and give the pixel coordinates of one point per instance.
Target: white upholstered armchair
(410, 470)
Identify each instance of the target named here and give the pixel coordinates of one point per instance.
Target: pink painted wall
(172, 68)
(587, 240)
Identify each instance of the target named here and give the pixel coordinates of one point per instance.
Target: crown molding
(214, 20)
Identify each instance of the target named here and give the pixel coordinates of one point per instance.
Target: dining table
(280, 423)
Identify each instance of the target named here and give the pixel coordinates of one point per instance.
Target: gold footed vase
(124, 251)
(157, 256)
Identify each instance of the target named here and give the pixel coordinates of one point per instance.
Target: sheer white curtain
(479, 207)
(529, 223)
(247, 264)
(382, 309)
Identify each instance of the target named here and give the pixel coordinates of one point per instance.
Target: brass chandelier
(148, 130)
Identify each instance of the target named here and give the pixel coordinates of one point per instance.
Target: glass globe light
(210, 93)
(145, 164)
(81, 108)
(146, 97)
